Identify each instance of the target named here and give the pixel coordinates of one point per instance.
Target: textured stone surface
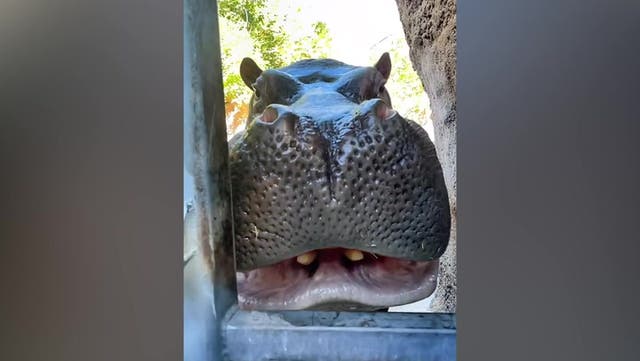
(430, 29)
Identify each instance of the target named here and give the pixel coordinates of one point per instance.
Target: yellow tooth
(306, 258)
(353, 255)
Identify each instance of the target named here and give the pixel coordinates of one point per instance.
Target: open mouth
(334, 278)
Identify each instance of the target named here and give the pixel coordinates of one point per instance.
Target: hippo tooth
(306, 258)
(353, 255)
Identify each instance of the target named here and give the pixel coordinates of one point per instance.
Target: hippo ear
(384, 65)
(249, 71)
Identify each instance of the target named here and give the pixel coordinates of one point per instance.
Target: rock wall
(430, 30)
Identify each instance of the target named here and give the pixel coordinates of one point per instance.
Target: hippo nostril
(281, 117)
(377, 111)
(382, 110)
(269, 115)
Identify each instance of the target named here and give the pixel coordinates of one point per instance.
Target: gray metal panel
(209, 271)
(352, 336)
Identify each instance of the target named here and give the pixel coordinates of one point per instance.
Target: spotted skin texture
(325, 162)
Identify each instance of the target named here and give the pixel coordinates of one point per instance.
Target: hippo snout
(332, 174)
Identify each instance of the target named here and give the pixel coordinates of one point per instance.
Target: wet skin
(338, 201)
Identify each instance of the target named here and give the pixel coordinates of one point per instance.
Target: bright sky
(356, 27)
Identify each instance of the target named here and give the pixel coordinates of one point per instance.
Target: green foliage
(267, 34)
(316, 46)
(252, 28)
(275, 38)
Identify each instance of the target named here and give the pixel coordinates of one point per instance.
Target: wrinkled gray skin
(325, 162)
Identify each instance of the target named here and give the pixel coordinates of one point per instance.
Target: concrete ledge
(353, 336)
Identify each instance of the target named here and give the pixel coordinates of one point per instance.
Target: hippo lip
(373, 282)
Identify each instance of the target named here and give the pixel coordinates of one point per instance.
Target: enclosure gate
(215, 329)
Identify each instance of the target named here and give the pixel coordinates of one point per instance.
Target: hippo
(339, 203)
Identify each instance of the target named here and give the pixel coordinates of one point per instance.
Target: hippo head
(338, 201)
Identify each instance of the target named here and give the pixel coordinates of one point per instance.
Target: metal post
(352, 336)
(209, 271)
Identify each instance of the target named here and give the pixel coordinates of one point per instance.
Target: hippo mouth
(327, 278)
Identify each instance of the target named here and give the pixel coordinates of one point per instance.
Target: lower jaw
(367, 286)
